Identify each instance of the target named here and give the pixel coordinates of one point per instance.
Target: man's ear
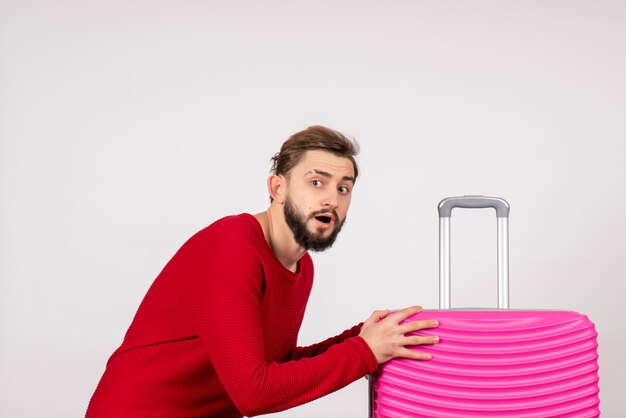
(276, 186)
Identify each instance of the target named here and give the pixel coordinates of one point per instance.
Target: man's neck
(279, 237)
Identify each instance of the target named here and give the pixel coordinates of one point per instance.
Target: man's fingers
(403, 314)
(378, 315)
(421, 340)
(389, 337)
(417, 325)
(415, 355)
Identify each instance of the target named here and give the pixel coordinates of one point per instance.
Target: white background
(126, 126)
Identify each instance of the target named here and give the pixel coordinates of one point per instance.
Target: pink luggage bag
(492, 362)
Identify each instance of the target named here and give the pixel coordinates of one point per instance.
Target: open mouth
(324, 219)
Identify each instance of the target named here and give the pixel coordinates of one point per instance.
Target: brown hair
(314, 138)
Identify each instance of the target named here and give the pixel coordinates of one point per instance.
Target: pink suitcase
(492, 362)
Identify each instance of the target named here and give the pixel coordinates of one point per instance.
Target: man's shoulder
(241, 221)
(242, 227)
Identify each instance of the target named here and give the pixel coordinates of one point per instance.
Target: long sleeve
(321, 347)
(245, 308)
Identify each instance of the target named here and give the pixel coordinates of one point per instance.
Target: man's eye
(316, 183)
(343, 189)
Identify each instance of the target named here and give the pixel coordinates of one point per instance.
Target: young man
(216, 334)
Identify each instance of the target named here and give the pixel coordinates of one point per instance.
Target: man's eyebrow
(348, 178)
(328, 175)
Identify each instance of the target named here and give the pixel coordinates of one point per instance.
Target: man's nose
(331, 199)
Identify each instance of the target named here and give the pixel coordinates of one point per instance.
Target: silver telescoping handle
(502, 213)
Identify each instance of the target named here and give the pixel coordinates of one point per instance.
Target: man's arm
(384, 334)
(222, 298)
(321, 347)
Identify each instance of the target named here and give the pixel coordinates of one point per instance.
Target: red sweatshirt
(215, 336)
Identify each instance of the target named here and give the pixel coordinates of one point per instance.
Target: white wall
(125, 126)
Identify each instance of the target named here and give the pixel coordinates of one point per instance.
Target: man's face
(319, 190)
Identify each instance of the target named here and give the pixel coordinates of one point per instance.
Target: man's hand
(386, 336)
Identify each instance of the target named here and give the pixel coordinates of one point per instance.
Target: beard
(297, 222)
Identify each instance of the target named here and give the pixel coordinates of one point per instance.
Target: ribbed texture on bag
(495, 363)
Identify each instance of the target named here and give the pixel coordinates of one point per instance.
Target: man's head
(313, 176)
(312, 138)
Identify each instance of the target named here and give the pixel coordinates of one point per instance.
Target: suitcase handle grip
(502, 213)
(500, 205)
